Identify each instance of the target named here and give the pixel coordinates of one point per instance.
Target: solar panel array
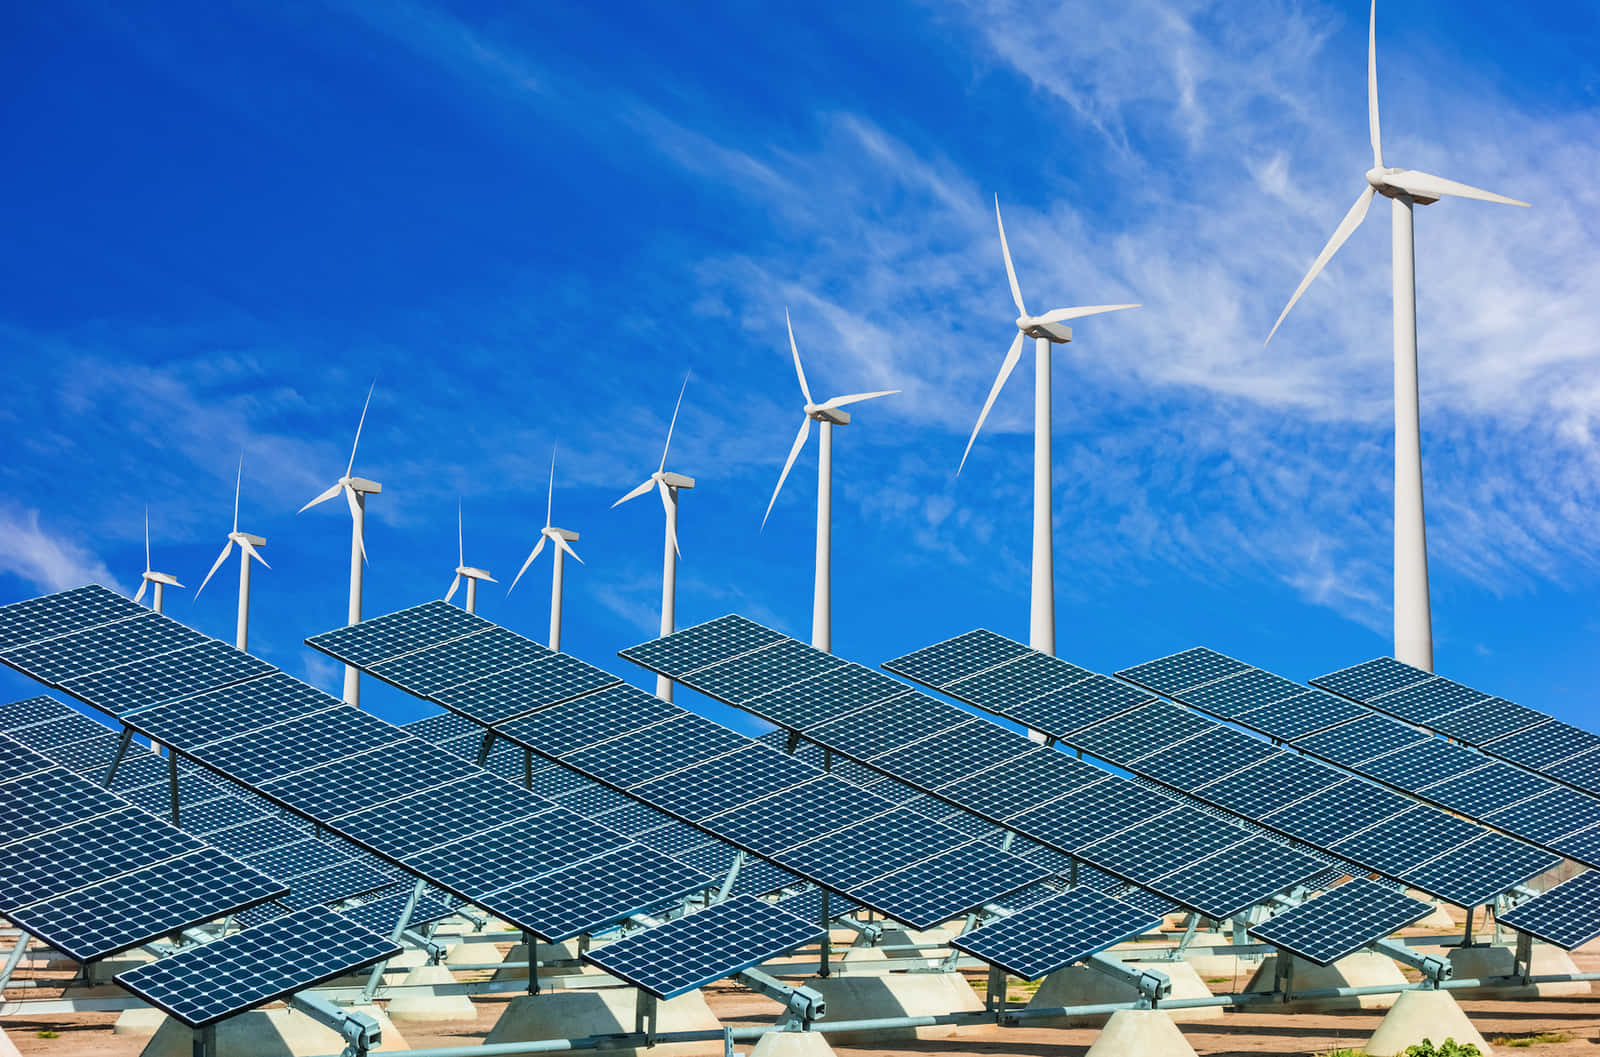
(1402, 756)
(1341, 922)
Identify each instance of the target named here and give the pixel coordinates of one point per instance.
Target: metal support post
(792, 742)
(205, 1040)
(644, 1016)
(801, 1005)
(1466, 932)
(827, 758)
(172, 782)
(1283, 981)
(527, 768)
(1151, 985)
(826, 946)
(732, 878)
(1191, 922)
(1435, 970)
(1524, 957)
(376, 976)
(122, 749)
(14, 959)
(532, 943)
(483, 750)
(994, 995)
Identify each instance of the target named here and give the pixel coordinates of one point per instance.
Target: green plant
(1449, 1048)
(1522, 1042)
(48, 1034)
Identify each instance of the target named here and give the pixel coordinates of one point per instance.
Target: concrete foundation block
(1418, 1015)
(139, 1022)
(268, 1033)
(1078, 985)
(7, 1047)
(1141, 1033)
(605, 1011)
(895, 995)
(792, 1044)
(419, 1004)
(1476, 963)
(547, 953)
(1362, 969)
(1440, 917)
(1228, 971)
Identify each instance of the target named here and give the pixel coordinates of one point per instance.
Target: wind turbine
(563, 539)
(668, 484)
(356, 490)
(829, 415)
(247, 550)
(161, 580)
(1413, 622)
(1045, 330)
(464, 571)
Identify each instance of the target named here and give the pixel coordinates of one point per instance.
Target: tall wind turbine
(161, 580)
(466, 572)
(1413, 622)
(356, 490)
(247, 550)
(1045, 330)
(668, 484)
(563, 539)
(829, 415)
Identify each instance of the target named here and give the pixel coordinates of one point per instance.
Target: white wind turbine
(466, 572)
(356, 490)
(563, 539)
(668, 484)
(1045, 330)
(161, 580)
(247, 550)
(829, 415)
(1413, 621)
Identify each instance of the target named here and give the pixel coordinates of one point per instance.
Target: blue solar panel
(297, 857)
(645, 754)
(354, 782)
(382, 915)
(1481, 721)
(1422, 764)
(1246, 690)
(1549, 816)
(1406, 840)
(517, 691)
(888, 725)
(1302, 714)
(588, 720)
(1371, 678)
(1545, 745)
(50, 799)
(1582, 771)
(1491, 787)
(85, 853)
(1022, 782)
(1478, 871)
(1336, 813)
(393, 634)
(1233, 880)
(1361, 739)
(93, 754)
(1164, 843)
(632, 817)
(330, 884)
(62, 614)
(435, 816)
(727, 781)
(153, 680)
(1053, 934)
(949, 884)
(950, 755)
(62, 730)
(836, 692)
(220, 812)
(1275, 782)
(692, 648)
(1341, 922)
(858, 853)
(269, 752)
(1140, 733)
(1020, 679)
(945, 662)
(1182, 671)
(231, 710)
(1082, 817)
(32, 710)
(255, 835)
(1420, 702)
(96, 649)
(441, 727)
(1568, 915)
(821, 805)
(1205, 758)
(584, 896)
(486, 861)
(807, 904)
(1077, 705)
(426, 671)
(748, 676)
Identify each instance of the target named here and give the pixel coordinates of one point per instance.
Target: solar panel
(50, 799)
(1420, 702)
(1423, 763)
(92, 753)
(61, 730)
(504, 695)
(1056, 932)
(588, 720)
(724, 782)
(1022, 782)
(441, 726)
(1080, 818)
(945, 662)
(218, 813)
(256, 835)
(888, 725)
(858, 853)
(1493, 786)
(1582, 771)
(1302, 714)
(142, 905)
(759, 877)
(1077, 705)
(951, 883)
(1360, 739)
(584, 896)
(952, 754)
(32, 710)
(1568, 915)
(1235, 879)
(331, 883)
(645, 754)
(137, 768)
(204, 984)
(1409, 839)
(84, 853)
(1182, 671)
(1244, 691)
(381, 916)
(591, 798)
(1140, 733)
(807, 904)
(821, 805)
(693, 648)
(393, 634)
(62, 614)
(1478, 871)
(1164, 843)
(152, 680)
(426, 671)
(1333, 814)
(748, 676)
(259, 914)
(1020, 679)
(269, 752)
(1549, 816)
(1205, 758)
(79, 653)
(1542, 746)
(836, 692)
(632, 817)
(354, 782)
(1341, 922)
(298, 857)
(695, 950)
(1481, 721)
(230, 710)
(1367, 680)
(398, 828)
(486, 861)
(1275, 782)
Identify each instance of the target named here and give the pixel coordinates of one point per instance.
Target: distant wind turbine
(563, 539)
(247, 551)
(1413, 621)
(466, 572)
(829, 415)
(161, 580)
(668, 484)
(1045, 330)
(356, 490)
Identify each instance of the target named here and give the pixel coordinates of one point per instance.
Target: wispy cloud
(44, 560)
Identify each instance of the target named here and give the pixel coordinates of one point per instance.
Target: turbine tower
(1045, 330)
(161, 580)
(829, 415)
(668, 484)
(1405, 188)
(247, 551)
(563, 539)
(356, 490)
(466, 572)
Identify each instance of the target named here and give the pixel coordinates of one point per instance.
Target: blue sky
(527, 222)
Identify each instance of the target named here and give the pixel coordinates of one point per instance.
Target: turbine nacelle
(824, 413)
(1379, 181)
(475, 574)
(673, 480)
(1034, 327)
(160, 578)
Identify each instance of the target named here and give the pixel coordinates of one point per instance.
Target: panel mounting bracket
(1152, 986)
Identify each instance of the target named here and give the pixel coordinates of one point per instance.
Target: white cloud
(45, 560)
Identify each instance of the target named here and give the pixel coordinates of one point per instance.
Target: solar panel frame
(1350, 744)
(1242, 691)
(1140, 733)
(207, 665)
(588, 720)
(1020, 679)
(1301, 715)
(200, 719)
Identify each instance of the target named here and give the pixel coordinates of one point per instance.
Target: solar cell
(92, 753)
(1183, 671)
(486, 861)
(1072, 821)
(259, 914)
(443, 813)
(349, 784)
(1020, 679)
(695, 950)
(1360, 739)
(441, 726)
(1478, 871)
(1420, 702)
(591, 798)
(426, 671)
(1367, 680)
(1341, 922)
(136, 769)
(760, 877)
(1205, 758)
(1241, 692)
(951, 883)
(1275, 782)
(584, 896)
(748, 676)
(1056, 932)
(383, 638)
(256, 835)
(1568, 915)
(1548, 743)
(945, 662)
(32, 710)
(1548, 816)
(632, 817)
(1140, 733)
(61, 730)
(63, 613)
(653, 751)
(381, 916)
(1491, 787)
(84, 853)
(1237, 878)
(1409, 839)
(1022, 782)
(692, 648)
(1481, 721)
(517, 691)
(860, 852)
(887, 725)
(1333, 814)
(152, 680)
(588, 720)
(1302, 714)
(47, 800)
(79, 653)
(1423, 763)
(834, 693)
(949, 755)
(269, 752)
(724, 782)
(204, 984)
(142, 905)
(773, 824)
(1164, 843)
(222, 713)
(711, 857)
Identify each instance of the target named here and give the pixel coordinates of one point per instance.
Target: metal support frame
(826, 947)
(802, 1005)
(1523, 963)
(994, 995)
(1434, 970)
(645, 1016)
(376, 976)
(483, 749)
(172, 783)
(122, 750)
(1466, 932)
(1191, 922)
(14, 959)
(205, 1041)
(733, 877)
(361, 1032)
(530, 941)
(1152, 986)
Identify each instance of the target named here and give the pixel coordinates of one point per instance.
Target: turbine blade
(550, 496)
(323, 498)
(666, 504)
(537, 547)
(1013, 354)
(245, 546)
(672, 425)
(1430, 186)
(1011, 273)
(564, 545)
(1078, 313)
(1351, 221)
(799, 442)
(461, 548)
(355, 511)
(1372, 86)
(227, 548)
(147, 539)
(348, 470)
(799, 371)
(138, 596)
(237, 480)
(448, 595)
(636, 493)
(856, 398)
